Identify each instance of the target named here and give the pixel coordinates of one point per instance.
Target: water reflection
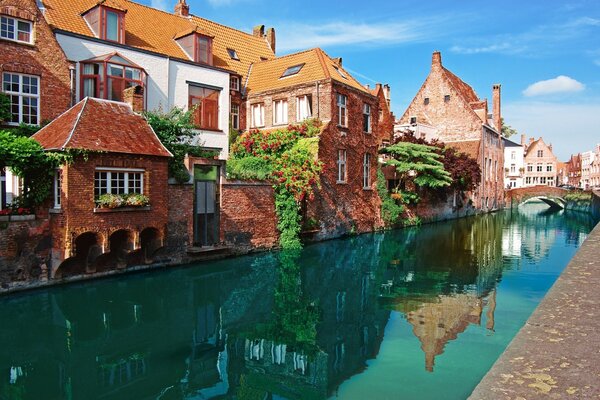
(289, 325)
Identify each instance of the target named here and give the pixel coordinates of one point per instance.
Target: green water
(421, 313)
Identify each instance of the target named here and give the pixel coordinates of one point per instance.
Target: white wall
(519, 161)
(166, 81)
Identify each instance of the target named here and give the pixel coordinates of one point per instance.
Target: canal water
(420, 313)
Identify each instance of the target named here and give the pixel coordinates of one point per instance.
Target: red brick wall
(180, 228)
(44, 58)
(516, 196)
(78, 198)
(248, 218)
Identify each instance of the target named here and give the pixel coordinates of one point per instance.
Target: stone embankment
(556, 355)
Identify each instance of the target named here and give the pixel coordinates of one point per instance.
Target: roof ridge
(320, 55)
(64, 146)
(224, 26)
(277, 58)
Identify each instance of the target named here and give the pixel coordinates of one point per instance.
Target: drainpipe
(318, 102)
(72, 83)
(484, 171)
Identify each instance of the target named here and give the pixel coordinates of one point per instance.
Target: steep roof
(461, 87)
(509, 143)
(101, 125)
(470, 147)
(149, 29)
(316, 65)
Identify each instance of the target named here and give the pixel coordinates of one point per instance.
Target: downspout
(72, 84)
(483, 175)
(318, 101)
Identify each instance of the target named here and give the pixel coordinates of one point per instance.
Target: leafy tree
(175, 131)
(5, 113)
(507, 130)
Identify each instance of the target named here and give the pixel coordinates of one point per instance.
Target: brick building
(573, 170)
(448, 109)
(35, 74)
(541, 165)
(122, 156)
(310, 84)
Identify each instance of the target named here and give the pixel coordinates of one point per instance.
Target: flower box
(4, 218)
(121, 209)
(19, 218)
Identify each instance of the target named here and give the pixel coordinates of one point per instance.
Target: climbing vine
(287, 158)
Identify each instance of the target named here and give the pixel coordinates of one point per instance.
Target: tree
(507, 130)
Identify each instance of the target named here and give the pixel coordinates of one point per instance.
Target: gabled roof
(470, 147)
(509, 143)
(466, 91)
(316, 66)
(154, 30)
(103, 126)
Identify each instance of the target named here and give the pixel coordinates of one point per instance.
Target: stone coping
(556, 354)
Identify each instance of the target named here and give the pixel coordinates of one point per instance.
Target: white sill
(341, 182)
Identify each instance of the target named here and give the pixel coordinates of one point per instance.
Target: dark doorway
(206, 205)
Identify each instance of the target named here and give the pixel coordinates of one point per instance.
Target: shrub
(390, 210)
(109, 200)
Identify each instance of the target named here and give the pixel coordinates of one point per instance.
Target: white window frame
(261, 115)
(367, 114)
(21, 95)
(549, 168)
(280, 112)
(127, 171)
(235, 122)
(57, 189)
(15, 22)
(234, 83)
(303, 107)
(367, 171)
(342, 103)
(342, 163)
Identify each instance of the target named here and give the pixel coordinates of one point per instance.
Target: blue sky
(546, 54)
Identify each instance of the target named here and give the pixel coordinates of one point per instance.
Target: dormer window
(15, 29)
(339, 71)
(233, 54)
(197, 46)
(107, 23)
(293, 70)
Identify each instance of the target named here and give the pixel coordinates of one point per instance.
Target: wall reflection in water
(290, 325)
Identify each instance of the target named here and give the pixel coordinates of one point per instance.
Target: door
(206, 205)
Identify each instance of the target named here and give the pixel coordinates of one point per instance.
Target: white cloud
(492, 48)
(295, 36)
(560, 84)
(571, 128)
(160, 4)
(218, 3)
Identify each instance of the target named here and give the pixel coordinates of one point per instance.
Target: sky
(545, 53)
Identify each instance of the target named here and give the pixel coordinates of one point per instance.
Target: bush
(390, 210)
(578, 197)
(249, 168)
(109, 200)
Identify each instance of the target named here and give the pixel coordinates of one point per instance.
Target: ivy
(286, 157)
(390, 210)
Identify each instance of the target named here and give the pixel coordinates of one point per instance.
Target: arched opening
(120, 244)
(150, 242)
(86, 250)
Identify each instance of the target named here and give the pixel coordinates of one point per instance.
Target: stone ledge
(121, 209)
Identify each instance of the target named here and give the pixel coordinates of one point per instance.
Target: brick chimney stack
(271, 38)
(436, 60)
(259, 31)
(182, 8)
(134, 96)
(387, 92)
(523, 140)
(497, 113)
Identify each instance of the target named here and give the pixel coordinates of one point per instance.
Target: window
(539, 167)
(529, 167)
(549, 168)
(513, 168)
(446, 98)
(342, 103)
(24, 94)
(513, 155)
(413, 120)
(235, 116)
(113, 30)
(528, 180)
(426, 101)
(257, 112)
(233, 54)
(204, 103)
(342, 166)
(107, 23)
(303, 107)
(15, 29)
(543, 180)
(203, 52)
(118, 181)
(292, 70)
(367, 118)
(234, 83)
(280, 112)
(106, 77)
(57, 187)
(367, 171)
(339, 71)
(540, 153)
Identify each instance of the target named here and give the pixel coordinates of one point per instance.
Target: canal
(420, 313)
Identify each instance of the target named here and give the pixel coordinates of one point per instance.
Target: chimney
(496, 107)
(522, 140)
(387, 92)
(259, 31)
(368, 87)
(271, 38)
(182, 9)
(338, 61)
(436, 59)
(550, 146)
(134, 96)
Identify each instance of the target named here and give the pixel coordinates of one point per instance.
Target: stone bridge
(553, 196)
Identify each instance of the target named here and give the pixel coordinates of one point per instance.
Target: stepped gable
(101, 126)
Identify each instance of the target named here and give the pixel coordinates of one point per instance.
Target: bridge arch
(553, 196)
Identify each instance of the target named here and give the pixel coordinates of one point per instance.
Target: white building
(587, 158)
(514, 164)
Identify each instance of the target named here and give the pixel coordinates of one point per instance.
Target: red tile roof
(463, 89)
(104, 126)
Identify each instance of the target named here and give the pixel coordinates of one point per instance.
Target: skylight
(233, 54)
(342, 74)
(292, 70)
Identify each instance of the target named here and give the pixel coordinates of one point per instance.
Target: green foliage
(412, 221)
(109, 200)
(26, 159)
(288, 158)
(579, 197)
(5, 113)
(25, 130)
(390, 210)
(507, 130)
(175, 131)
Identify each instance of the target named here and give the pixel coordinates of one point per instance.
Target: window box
(113, 201)
(121, 209)
(20, 218)
(4, 218)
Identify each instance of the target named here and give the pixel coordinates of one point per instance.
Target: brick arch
(18, 12)
(514, 197)
(22, 68)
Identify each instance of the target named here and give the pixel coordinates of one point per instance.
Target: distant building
(587, 158)
(573, 168)
(448, 109)
(514, 167)
(540, 163)
(595, 169)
